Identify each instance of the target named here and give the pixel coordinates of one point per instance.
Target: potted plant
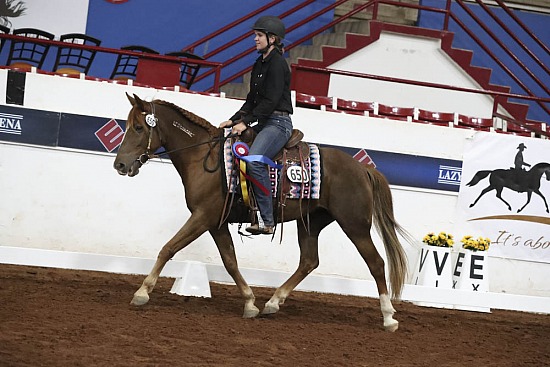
(440, 240)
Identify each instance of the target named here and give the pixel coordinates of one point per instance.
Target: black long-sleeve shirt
(269, 89)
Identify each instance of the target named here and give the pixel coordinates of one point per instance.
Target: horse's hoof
(139, 300)
(270, 308)
(251, 313)
(392, 326)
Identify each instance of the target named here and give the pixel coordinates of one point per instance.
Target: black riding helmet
(270, 24)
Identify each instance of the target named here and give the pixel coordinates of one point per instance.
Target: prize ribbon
(241, 150)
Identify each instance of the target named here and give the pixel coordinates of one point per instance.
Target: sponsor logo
(449, 175)
(364, 157)
(10, 124)
(110, 135)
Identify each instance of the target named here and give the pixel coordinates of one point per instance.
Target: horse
(351, 194)
(514, 179)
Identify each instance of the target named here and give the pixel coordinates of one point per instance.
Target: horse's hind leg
(499, 195)
(485, 190)
(364, 244)
(191, 230)
(529, 193)
(223, 240)
(309, 258)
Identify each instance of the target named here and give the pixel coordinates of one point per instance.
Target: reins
(146, 156)
(152, 120)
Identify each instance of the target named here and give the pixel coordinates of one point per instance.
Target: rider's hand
(227, 123)
(239, 128)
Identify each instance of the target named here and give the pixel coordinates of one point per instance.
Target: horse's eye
(139, 128)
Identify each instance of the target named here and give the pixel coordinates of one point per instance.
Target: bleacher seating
(356, 107)
(435, 118)
(126, 65)
(24, 54)
(311, 101)
(417, 115)
(188, 70)
(477, 123)
(397, 113)
(73, 61)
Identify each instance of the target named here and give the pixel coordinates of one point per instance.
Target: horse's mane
(197, 120)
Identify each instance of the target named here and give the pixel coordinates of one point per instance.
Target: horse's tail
(387, 227)
(478, 177)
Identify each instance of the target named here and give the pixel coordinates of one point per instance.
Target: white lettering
(12, 124)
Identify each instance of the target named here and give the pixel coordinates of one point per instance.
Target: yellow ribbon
(244, 187)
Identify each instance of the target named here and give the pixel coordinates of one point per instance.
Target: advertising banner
(22, 125)
(504, 195)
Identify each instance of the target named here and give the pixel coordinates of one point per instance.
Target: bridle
(152, 120)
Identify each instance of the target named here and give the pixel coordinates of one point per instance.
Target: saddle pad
(306, 190)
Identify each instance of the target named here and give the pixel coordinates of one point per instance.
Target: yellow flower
(479, 244)
(442, 239)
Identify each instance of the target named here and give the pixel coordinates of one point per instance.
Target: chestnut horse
(351, 194)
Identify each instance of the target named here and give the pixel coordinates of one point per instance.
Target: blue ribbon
(254, 158)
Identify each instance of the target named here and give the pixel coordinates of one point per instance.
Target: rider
(268, 102)
(518, 161)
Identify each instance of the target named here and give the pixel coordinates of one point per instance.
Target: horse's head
(141, 138)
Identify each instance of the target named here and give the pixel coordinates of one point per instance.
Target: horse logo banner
(504, 195)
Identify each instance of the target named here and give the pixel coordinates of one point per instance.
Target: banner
(504, 195)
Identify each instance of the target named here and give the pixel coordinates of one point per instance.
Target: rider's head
(521, 146)
(274, 30)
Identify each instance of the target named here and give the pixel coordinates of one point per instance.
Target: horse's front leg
(309, 259)
(224, 242)
(190, 231)
(537, 191)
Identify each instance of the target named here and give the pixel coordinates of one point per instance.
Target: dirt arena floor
(53, 317)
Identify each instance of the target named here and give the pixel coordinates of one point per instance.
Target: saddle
(294, 151)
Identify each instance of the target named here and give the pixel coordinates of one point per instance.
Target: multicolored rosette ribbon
(241, 150)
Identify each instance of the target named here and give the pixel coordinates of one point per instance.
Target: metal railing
(212, 65)
(374, 6)
(296, 68)
(212, 72)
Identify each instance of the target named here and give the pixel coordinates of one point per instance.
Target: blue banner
(22, 125)
(411, 170)
(105, 135)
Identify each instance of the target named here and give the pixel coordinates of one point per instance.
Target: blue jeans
(272, 137)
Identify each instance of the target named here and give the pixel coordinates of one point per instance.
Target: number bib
(297, 174)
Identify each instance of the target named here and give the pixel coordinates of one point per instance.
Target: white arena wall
(72, 201)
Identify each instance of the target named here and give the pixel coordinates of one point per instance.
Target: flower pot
(434, 269)
(471, 273)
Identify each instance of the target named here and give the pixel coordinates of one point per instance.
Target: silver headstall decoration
(151, 120)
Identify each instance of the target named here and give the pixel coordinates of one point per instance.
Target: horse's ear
(138, 102)
(131, 99)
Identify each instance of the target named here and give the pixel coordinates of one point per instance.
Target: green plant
(440, 240)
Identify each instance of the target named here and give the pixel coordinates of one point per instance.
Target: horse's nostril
(119, 166)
